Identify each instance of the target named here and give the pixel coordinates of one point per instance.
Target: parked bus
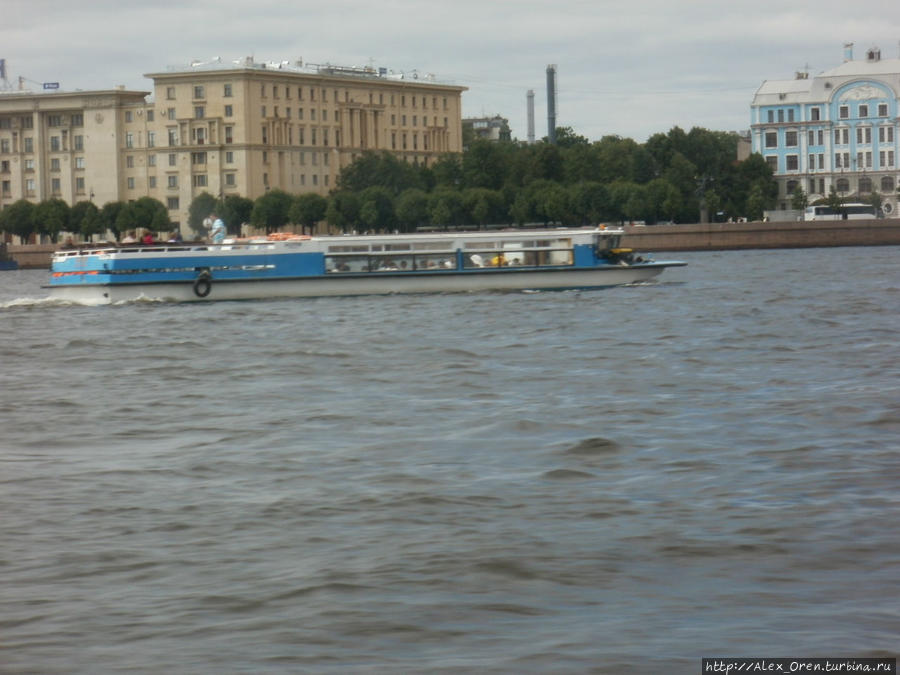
(845, 212)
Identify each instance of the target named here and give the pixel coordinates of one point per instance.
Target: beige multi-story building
(222, 128)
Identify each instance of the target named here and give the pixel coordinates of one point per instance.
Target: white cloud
(630, 69)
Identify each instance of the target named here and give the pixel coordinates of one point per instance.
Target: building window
(199, 92)
(771, 139)
(863, 110)
(151, 182)
(172, 181)
(844, 112)
(229, 157)
(199, 135)
(54, 120)
(129, 162)
(172, 203)
(865, 185)
(885, 134)
(791, 162)
(172, 161)
(772, 161)
(128, 117)
(882, 110)
(815, 114)
(29, 165)
(150, 115)
(770, 116)
(229, 180)
(227, 91)
(170, 93)
(199, 180)
(78, 142)
(54, 164)
(198, 112)
(55, 186)
(198, 158)
(130, 183)
(151, 139)
(229, 134)
(229, 111)
(887, 184)
(79, 185)
(28, 142)
(29, 187)
(864, 135)
(151, 160)
(790, 139)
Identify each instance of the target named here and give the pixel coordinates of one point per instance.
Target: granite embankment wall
(737, 236)
(698, 237)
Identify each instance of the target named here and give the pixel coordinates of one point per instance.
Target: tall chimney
(530, 113)
(551, 103)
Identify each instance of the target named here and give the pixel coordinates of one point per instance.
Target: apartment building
(837, 129)
(64, 145)
(224, 128)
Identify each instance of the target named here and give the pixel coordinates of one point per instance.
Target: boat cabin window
(518, 253)
(390, 262)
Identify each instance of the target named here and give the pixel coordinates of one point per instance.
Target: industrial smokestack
(530, 113)
(551, 103)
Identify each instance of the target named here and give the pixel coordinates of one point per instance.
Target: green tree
(567, 138)
(589, 201)
(235, 211)
(379, 169)
(109, 218)
(376, 209)
(799, 200)
(271, 210)
(147, 213)
(482, 206)
(447, 171)
(551, 202)
(52, 217)
(876, 200)
(201, 206)
(308, 209)
(484, 165)
(84, 217)
(445, 207)
(18, 219)
(412, 209)
(343, 210)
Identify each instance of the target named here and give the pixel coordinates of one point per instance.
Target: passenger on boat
(129, 238)
(147, 238)
(218, 229)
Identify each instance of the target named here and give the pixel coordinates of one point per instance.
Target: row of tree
(671, 177)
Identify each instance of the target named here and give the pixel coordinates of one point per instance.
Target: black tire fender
(202, 284)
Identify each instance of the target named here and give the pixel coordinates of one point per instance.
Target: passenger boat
(281, 265)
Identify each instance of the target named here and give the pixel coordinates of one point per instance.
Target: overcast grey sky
(625, 68)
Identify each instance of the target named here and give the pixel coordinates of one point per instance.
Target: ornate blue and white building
(839, 128)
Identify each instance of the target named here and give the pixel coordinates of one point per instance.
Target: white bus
(845, 212)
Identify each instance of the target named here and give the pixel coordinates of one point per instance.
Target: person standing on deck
(218, 229)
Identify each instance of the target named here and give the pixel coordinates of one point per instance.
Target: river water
(617, 481)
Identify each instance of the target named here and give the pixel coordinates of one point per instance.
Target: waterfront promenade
(692, 237)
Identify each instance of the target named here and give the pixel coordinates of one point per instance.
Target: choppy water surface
(614, 481)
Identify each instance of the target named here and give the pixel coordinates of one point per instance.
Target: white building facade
(839, 128)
